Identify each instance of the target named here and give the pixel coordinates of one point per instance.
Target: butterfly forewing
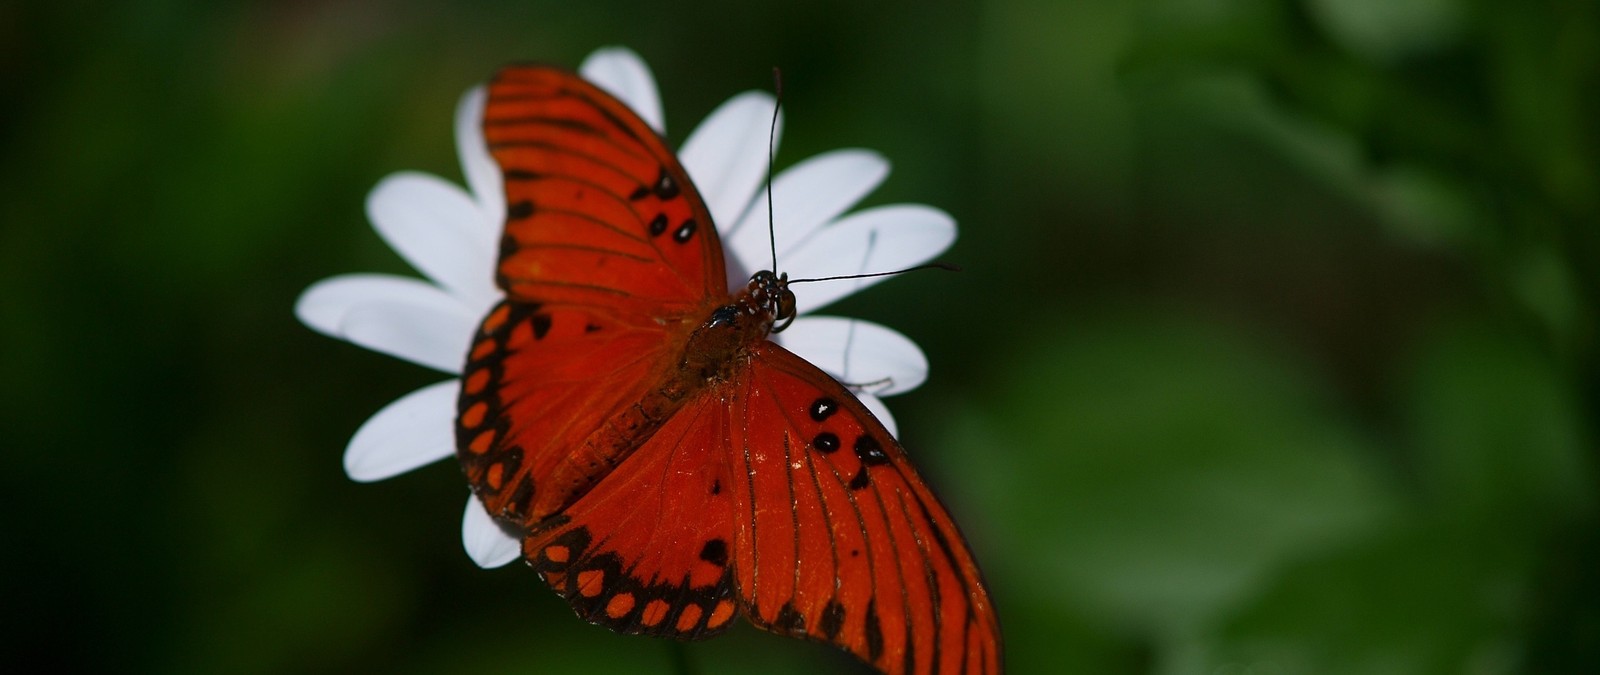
(534, 431)
(608, 259)
(598, 211)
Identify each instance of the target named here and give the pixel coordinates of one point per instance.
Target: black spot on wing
(715, 552)
(665, 187)
(684, 231)
(826, 442)
(521, 499)
(519, 210)
(832, 619)
(874, 631)
(870, 451)
(789, 621)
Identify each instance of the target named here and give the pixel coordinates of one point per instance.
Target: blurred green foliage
(1276, 352)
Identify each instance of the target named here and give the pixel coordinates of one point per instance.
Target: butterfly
(666, 466)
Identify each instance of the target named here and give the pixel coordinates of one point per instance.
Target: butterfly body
(723, 340)
(669, 467)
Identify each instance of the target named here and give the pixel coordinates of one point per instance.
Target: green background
(1275, 351)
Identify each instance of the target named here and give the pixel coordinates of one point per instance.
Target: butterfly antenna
(772, 135)
(948, 267)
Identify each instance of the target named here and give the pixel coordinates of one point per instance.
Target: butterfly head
(768, 293)
(765, 306)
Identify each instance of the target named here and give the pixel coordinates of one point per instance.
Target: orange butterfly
(667, 466)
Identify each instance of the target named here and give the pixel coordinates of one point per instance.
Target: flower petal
(726, 156)
(882, 239)
(325, 304)
(621, 72)
(440, 230)
(482, 172)
(419, 330)
(806, 196)
(416, 429)
(486, 543)
(880, 411)
(865, 356)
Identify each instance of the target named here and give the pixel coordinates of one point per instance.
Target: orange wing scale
(648, 550)
(657, 500)
(598, 211)
(534, 431)
(839, 539)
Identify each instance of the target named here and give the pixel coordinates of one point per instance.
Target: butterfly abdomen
(613, 442)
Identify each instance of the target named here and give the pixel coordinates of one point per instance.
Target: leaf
(1423, 599)
(1498, 431)
(1159, 472)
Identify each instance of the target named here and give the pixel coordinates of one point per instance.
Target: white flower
(451, 236)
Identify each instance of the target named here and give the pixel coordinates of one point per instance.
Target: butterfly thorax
(716, 346)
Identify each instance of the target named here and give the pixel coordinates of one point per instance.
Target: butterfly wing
(541, 396)
(778, 496)
(598, 210)
(836, 537)
(648, 549)
(608, 260)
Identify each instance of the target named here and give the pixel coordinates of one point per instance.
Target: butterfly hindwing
(837, 537)
(598, 210)
(648, 550)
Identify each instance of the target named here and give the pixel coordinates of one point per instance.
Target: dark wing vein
(794, 505)
(547, 146)
(591, 249)
(894, 545)
(827, 520)
(597, 221)
(928, 571)
(568, 124)
(750, 486)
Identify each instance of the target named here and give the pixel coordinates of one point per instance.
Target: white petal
(486, 543)
(621, 72)
(394, 315)
(432, 334)
(880, 411)
(482, 172)
(726, 156)
(865, 356)
(439, 229)
(416, 429)
(882, 239)
(806, 196)
(325, 304)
